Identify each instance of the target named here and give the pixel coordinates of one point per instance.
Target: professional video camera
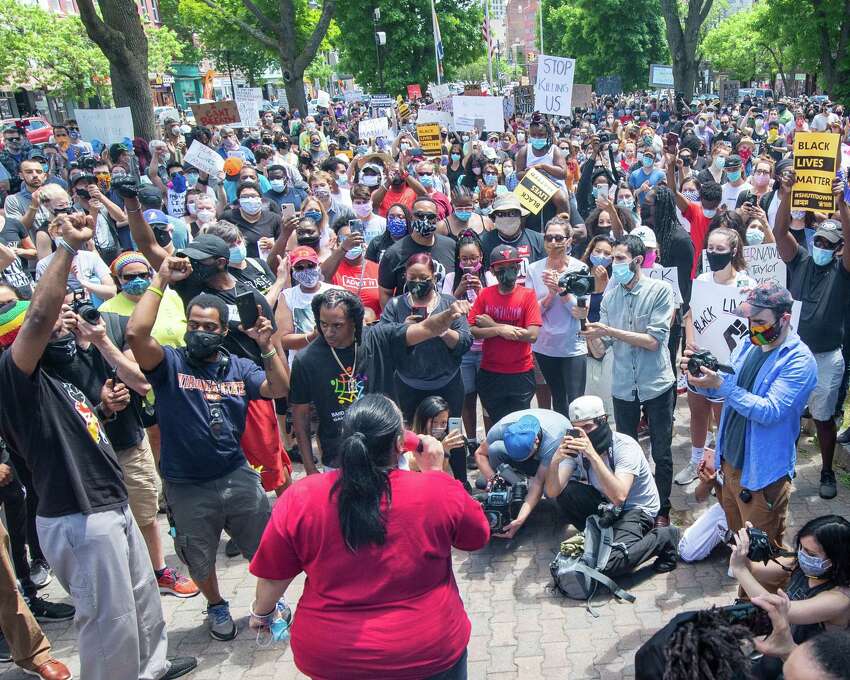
(579, 285)
(704, 357)
(504, 497)
(82, 305)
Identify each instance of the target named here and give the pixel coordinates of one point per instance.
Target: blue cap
(155, 217)
(519, 437)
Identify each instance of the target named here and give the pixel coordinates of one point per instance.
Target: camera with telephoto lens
(704, 357)
(608, 514)
(504, 498)
(82, 305)
(579, 285)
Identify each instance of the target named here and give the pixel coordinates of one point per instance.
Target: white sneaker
(686, 475)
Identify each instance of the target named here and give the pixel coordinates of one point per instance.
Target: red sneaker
(172, 582)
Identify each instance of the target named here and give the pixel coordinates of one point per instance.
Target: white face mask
(205, 215)
(370, 180)
(507, 226)
(361, 209)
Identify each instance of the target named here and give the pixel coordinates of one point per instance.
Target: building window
(155, 11)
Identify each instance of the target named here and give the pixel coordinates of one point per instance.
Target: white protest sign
(248, 100)
(669, 275)
(439, 92)
(468, 110)
(763, 263)
(372, 128)
(716, 327)
(107, 125)
(204, 158)
(176, 203)
(323, 99)
(553, 91)
(444, 118)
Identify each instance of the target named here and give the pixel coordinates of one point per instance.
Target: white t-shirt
(559, 334)
(730, 194)
(298, 302)
(90, 267)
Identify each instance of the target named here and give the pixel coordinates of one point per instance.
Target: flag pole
(436, 48)
(489, 43)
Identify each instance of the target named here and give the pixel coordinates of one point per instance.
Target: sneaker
(681, 384)
(686, 475)
(40, 574)
(47, 612)
(828, 488)
(844, 436)
(220, 621)
(180, 665)
(5, 652)
(172, 582)
(231, 549)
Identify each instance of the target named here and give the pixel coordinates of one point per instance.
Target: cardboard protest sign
(439, 92)
(204, 158)
(669, 275)
(763, 263)
(372, 128)
(414, 92)
(523, 100)
(489, 110)
(429, 138)
(108, 125)
(815, 161)
(661, 75)
(553, 90)
(534, 191)
(248, 100)
(216, 113)
(442, 118)
(582, 96)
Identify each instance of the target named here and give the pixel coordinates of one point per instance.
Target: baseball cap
(519, 437)
(302, 253)
(155, 217)
(766, 295)
(150, 193)
(587, 407)
(372, 167)
(507, 201)
(503, 253)
(205, 246)
(646, 235)
(233, 165)
(733, 161)
(36, 153)
(830, 230)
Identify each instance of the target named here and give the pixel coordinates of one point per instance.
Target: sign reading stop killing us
(815, 161)
(553, 91)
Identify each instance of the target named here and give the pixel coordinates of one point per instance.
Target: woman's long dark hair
(467, 238)
(370, 430)
(832, 532)
(665, 223)
(427, 410)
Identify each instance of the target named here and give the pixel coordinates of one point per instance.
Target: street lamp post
(380, 39)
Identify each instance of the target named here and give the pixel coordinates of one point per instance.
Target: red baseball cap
(302, 253)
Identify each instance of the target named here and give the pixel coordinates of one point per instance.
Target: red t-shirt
(518, 308)
(699, 227)
(384, 611)
(348, 276)
(405, 196)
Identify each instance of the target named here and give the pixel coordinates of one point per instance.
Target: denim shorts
(469, 365)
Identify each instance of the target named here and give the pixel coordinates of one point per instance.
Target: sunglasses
(73, 129)
(554, 238)
(300, 267)
(431, 217)
(126, 278)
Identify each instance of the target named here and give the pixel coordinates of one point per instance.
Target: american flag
(438, 41)
(485, 33)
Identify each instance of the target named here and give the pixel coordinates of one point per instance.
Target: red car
(38, 130)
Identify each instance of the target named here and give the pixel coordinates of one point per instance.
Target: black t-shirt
(53, 427)
(257, 274)
(235, 342)
(823, 292)
(89, 371)
(391, 267)
(318, 379)
(378, 246)
(15, 274)
(529, 245)
(681, 255)
(267, 226)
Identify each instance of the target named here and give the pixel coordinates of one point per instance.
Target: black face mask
(201, 272)
(718, 261)
(311, 242)
(424, 227)
(420, 289)
(397, 181)
(60, 352)
(201, 345)
(601, 438)
(507, 277)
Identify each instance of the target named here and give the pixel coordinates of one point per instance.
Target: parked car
(38, 129)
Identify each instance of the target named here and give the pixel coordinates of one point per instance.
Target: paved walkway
(520, 629)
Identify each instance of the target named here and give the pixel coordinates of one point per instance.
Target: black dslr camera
(761, 549)
(608, 514)
(580, 285)
(82, 305)
(704, 357)
(504, 498)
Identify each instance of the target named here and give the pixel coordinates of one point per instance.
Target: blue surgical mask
(463, 215)
(136, 287)
(397, 226)
(455, 156)
(600, 260)
(733, 175)
(812, 566)
(719, 163)
(627, 203)
(251, 204)
(354, 253)
(484, 211)
(238, 254)
(539, 143)
(191, 179)
(427, 181)
(622, 272)
(490, 180)
(278, 185)
(647, 161)
(314, 215)
(709, 213)
(822, 256)
(754, 237)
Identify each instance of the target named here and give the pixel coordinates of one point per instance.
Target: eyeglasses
(430, 217)
(555, 238)
(129, 277)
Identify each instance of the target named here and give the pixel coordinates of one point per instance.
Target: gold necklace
(347, 372)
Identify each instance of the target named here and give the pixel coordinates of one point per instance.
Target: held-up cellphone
(573, 432)
(287, 210)
(421, 312)
(672, 142)
(356, 226)
(246, 305)
(747, 614)
(455, 424)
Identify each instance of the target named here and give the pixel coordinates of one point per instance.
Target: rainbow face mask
(764, 334)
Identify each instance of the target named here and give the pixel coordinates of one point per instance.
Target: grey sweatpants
(102, 561)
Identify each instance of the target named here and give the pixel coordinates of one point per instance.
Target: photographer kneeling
(597, 466)
(817, 581)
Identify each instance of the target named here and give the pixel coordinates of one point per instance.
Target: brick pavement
(519, 628)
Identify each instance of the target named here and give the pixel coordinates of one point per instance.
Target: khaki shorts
(142, 481)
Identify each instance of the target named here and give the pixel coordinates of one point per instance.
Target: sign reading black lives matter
(553, 91)
(815, 162)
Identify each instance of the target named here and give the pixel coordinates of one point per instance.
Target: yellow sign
(403, 109)
(429, 138)
(535, 190)
(816, 157)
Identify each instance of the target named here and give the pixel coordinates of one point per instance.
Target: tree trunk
(683, 41)
(293, 82)
(121, 38)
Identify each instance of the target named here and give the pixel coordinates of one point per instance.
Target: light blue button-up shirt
(646, 308)
(773, 409)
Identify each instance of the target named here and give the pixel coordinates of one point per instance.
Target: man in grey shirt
(600, 466)
(635, 318)
(526, 440)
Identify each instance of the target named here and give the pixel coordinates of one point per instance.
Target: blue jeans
(456, 672)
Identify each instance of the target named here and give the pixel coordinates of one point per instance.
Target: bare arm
(127, 369)
(301, 425)
(786, 246)
(147, 350)
(142, 232)
(670, 169)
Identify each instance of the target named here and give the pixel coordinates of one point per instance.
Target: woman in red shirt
(380, 599)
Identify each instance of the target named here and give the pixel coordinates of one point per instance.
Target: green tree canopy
(606, 37)
(408, 56)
